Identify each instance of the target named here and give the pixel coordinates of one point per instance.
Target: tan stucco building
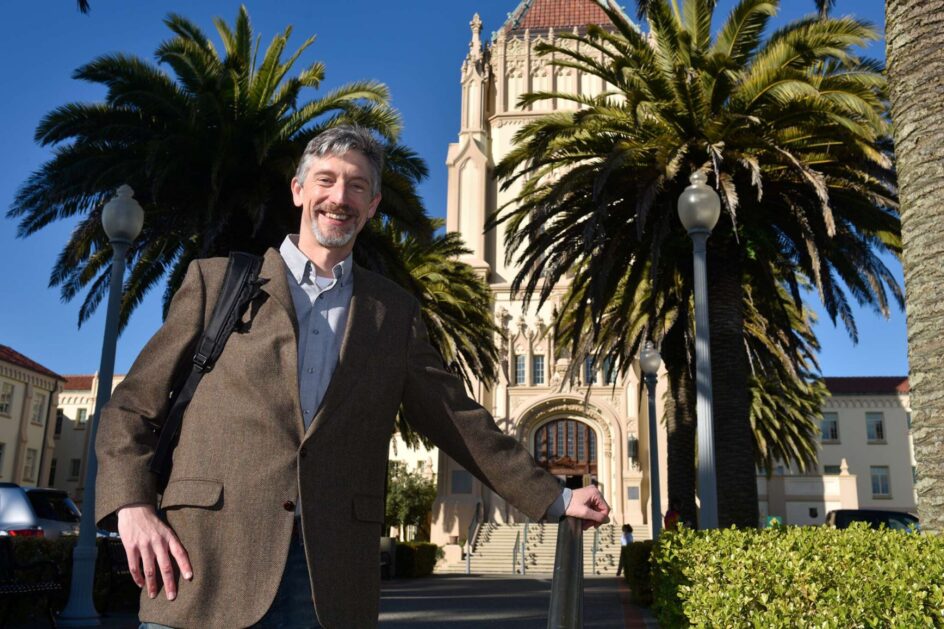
(28, 399)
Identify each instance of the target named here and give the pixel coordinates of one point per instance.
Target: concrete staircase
(494, 552)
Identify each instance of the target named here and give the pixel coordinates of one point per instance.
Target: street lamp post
(649, 361)
(122, 219)
(699, 209)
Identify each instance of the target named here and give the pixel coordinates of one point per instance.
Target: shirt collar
(302, 268)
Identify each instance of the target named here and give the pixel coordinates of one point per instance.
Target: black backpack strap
(240, 285)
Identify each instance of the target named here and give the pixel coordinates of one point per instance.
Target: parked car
(875, 518)
(32, 511)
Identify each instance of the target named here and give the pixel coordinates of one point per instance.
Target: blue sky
(415, 47)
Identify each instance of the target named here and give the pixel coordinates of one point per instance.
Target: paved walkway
(465, 602)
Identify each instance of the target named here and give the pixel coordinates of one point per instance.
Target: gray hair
(338, 141)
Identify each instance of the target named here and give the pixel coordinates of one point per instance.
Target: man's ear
(296, 192)
(373, 206)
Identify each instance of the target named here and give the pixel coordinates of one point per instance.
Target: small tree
(410, 497)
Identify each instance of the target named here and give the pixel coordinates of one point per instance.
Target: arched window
(566, 447)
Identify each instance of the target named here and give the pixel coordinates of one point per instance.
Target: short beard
(340, 240)
(327, 241)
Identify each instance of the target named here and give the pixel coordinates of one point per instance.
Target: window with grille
(37, 415)
(520, 377)
(6, 398)
(881, 483)
(875, 427)
(829, 427)
(566, 446)
(29, 465)
(537, 369)
(75, 467)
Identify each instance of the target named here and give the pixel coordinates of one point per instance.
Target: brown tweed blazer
(244, 457)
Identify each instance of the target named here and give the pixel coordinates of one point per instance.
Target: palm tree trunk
(915, 52)
(734, 440)
(680, 421)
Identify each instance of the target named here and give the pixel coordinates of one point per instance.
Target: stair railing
(593, 551)
(524, 549)
(566, 608)
(514, 554)
(474, 526)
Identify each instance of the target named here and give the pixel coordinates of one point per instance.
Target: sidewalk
(475, 601)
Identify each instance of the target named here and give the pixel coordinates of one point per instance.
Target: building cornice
(14, 372)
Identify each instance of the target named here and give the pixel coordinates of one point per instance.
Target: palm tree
(915, 50)
(209, 140)
(208, 148)
(793, 133)
(456, 303)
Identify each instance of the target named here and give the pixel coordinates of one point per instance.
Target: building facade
(29, 396)
(865, 458)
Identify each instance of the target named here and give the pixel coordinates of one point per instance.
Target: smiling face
(337, 201)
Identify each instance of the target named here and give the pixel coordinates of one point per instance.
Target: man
(276, 492)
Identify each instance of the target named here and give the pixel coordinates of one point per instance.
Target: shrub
(122, 594)
(637, 571)
(798, 576)
(415, 559)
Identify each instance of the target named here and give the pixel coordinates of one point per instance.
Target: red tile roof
(10, 355)
(558, 14)
(868, 385)
(79, 383)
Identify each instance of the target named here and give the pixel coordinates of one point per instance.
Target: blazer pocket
(368, 508)
(192, 492)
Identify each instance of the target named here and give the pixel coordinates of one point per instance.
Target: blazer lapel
(364, 318)
(275, 284)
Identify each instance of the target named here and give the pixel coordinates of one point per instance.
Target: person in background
(670, 523)
(625, 540)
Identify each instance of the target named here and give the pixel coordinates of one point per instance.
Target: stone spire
(475, 46)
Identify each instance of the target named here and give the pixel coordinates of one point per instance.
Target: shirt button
(307, 412)
(288, 505)
(311, 370)
(315, 332)
(321, 296)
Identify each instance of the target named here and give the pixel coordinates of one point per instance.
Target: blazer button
(302, 453)
(288, 505)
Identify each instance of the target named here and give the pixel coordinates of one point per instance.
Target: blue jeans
(293, 607)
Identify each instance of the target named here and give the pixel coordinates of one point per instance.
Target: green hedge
(798, 576)
(121, 595)
(415, 559)
(637, 571)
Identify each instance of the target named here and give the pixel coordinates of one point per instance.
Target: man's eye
(359, 187)
(323, 181)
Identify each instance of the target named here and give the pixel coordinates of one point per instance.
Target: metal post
(566, 608)
(707, 485)
(80, 610)
(524, 549)
(655, 489)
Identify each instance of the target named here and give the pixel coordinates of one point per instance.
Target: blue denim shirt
(321, 308)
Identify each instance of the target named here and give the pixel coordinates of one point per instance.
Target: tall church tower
(588, 431)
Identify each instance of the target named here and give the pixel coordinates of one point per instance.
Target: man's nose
(338, 194)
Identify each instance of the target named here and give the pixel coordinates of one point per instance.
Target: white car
(36, 512)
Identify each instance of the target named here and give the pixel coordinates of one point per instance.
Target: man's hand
(148, 540)
(587, 503)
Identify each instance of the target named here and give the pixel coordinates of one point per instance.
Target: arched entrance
(567, 448)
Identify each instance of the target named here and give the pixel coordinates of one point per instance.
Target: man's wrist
(559, 507)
